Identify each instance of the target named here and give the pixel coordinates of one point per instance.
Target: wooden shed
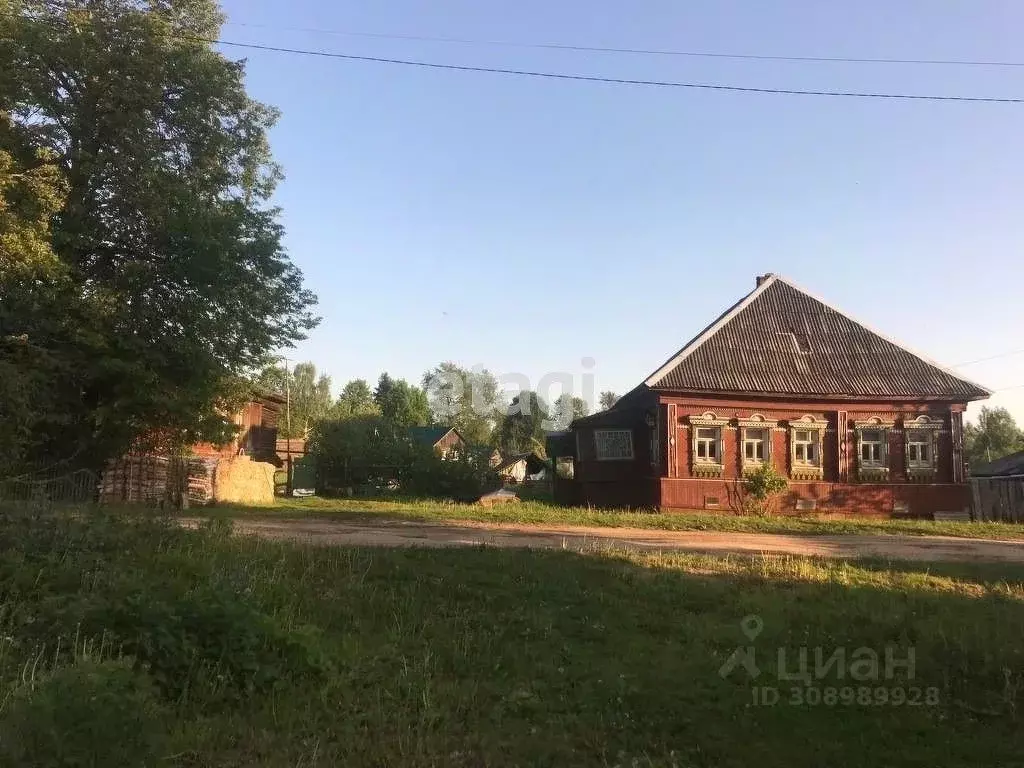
(998, 490)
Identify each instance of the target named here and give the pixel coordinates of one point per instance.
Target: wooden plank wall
(998, 499)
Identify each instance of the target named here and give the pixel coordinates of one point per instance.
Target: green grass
(195, 648)
(539, 513)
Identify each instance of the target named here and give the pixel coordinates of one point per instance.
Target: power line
(614, 80)
(637, 51)
(595, 78)
(991, 357)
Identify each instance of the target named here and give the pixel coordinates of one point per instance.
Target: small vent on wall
(712, 502)
(806, 505)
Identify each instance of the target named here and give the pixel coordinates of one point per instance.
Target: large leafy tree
(522, 428)
(355, 401)
(607, 400)
(567, 409)
(995, 435)
(400, 403)
(30, 194)
(465, 399)
(158, 277)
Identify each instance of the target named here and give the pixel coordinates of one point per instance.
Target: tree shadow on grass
(561, 658)
(482, 656)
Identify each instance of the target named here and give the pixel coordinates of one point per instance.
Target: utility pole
(288, 425)
(288, 403)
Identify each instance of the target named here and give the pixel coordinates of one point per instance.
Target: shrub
(464, 478)
(92, 713)
(761, 486)
(358, 452)
(372, 453)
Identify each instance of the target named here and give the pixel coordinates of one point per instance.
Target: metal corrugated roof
(779, 340)
(1011, 465)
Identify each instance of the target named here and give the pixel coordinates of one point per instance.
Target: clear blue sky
(525, 224)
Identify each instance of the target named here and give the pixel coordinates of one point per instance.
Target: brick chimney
(762, 278)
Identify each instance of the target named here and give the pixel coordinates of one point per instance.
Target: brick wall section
(831, 443)
(854, 499)
(668, 482)
(682, 490)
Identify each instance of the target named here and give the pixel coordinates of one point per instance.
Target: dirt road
(392, 533)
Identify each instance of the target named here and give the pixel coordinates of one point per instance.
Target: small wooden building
(516, 468)
(240, 465)
(998, 489)
(858, 423)
(446, 441)
(256, 437)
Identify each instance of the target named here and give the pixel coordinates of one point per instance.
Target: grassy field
(143, 644)
(539, 513)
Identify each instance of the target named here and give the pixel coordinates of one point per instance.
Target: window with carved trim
(919, 448)
(805, 448)
(872, 447)
(707, 445)
(755, 445)
(613, 444)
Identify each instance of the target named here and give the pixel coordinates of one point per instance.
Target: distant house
(857, 422)
(446, 441)
(516, 468)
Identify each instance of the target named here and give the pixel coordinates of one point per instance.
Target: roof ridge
(693, 344)
(919, 355)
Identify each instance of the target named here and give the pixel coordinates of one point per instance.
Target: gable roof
(431, 435)
(780, 340)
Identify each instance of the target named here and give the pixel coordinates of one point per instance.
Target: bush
(372, 453)
(94, 713)
(359, 452)
(761, 486)
(464, 478)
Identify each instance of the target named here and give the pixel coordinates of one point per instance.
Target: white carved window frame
(755, 422)
(601, 445)
(708, 420)
(923, 430)
(809, 469)
(873, 468)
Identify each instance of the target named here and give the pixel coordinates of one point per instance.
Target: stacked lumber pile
(158, 481)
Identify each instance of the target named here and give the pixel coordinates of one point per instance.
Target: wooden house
(446, 441)
(858, 423)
